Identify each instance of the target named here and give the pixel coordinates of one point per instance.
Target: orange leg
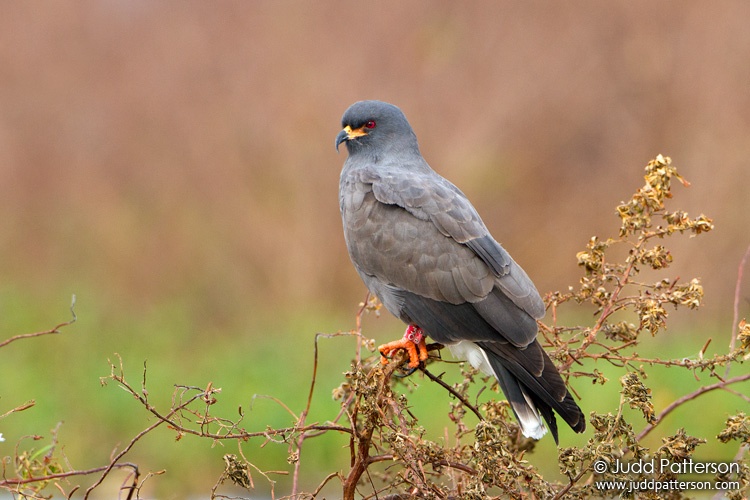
(413, 342)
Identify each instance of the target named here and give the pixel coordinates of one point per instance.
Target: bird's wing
(427, 195)
(419, 237)
(390, 243)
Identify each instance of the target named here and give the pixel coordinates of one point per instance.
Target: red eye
(370, 124)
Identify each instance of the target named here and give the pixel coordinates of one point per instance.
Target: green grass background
(262, 354)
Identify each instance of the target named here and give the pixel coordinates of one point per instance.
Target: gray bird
(420, 246)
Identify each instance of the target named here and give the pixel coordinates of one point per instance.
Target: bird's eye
(370, 124)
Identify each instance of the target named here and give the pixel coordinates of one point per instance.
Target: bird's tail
(522, 403)
(534, 394)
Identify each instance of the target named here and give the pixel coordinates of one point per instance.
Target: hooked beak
(348, 134)
(343, 136)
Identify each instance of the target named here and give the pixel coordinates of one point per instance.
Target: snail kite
(420, 246)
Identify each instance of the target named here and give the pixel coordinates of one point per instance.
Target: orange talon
(413, 342)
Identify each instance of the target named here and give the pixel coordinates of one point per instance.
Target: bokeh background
(172, 164)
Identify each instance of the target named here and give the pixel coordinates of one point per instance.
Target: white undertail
(532, 425)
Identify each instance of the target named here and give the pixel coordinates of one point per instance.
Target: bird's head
(373, 125)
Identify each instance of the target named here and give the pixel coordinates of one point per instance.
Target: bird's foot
(414, 343)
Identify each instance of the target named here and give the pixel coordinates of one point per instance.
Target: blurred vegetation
(391, 446)
(399, 444)
(172, 165)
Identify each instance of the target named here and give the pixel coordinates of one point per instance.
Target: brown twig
(607, 310)
(736, 305)
(361, 440)
(22, 407)
(113, 463)
(62, 475)
(358, 326)
(684, 362)
(172, 422)
(52, 331)
(303, 416)
(561, 494)
(688, 397)
(450, 389)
